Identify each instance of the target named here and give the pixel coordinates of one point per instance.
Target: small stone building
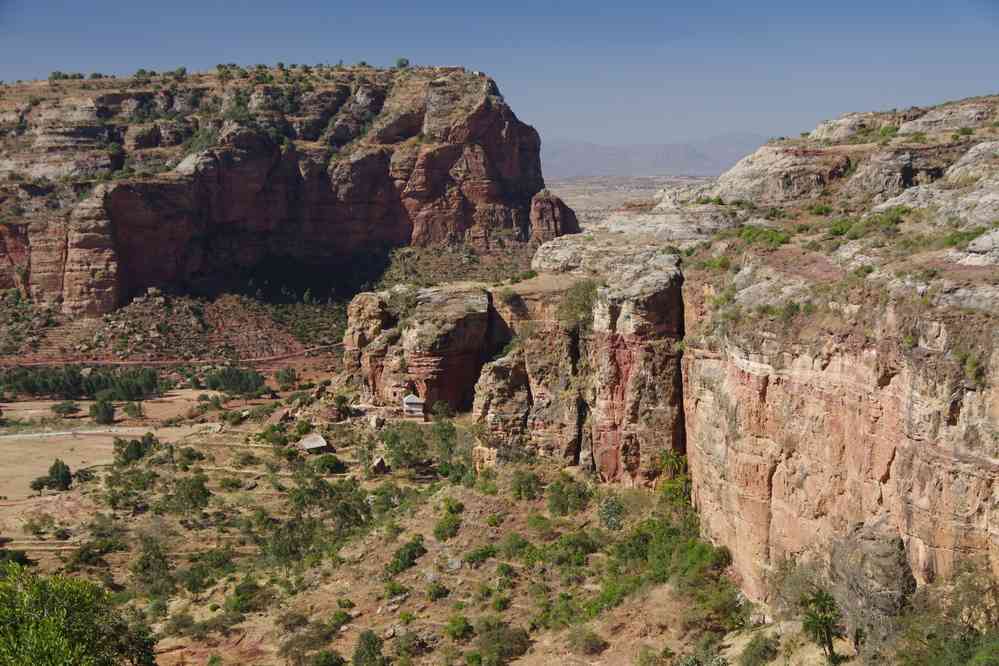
(413, 406)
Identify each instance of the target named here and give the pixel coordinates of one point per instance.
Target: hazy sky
(607, 72)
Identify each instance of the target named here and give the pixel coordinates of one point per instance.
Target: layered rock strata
(364, 160)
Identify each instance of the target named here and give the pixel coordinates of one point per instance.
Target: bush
(447, 527)
(404, 445)
(437, 591)
(525, 485)
(133, 410)
(248, 597)
(761, 650)
(128, 451)
(498, 642)
(575, 311)
(329, 464)
(611, 513)
(405, 557)
(479, 555)
(102, 412)
(772, 238)
(585, 641)
(567, 496)
(458, 628)
(368, 651)
(327, 658)
(65, 408)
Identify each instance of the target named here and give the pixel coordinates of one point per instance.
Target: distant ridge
(706, 157)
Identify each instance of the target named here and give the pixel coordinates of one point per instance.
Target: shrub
(567, 496)
(65, 408)
(230, 484)
(498, 642)
(102, 412)
(128, 451)
(479, 555)
(772, 238)
(368, 651)
(407, 554)
(762, 649)
(458, 628)
(133, 410)
(437, 591)
(327, 658)
(401, 63)
(525, 485)
(329, 464)
(447, 527)
(820, 209)
(611, 513)
(575, 311)
(248, 597)
(585, 641)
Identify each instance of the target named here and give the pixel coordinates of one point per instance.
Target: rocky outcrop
(604, 394)
(776, 174)
(366, 159)
(551, 218)
(431, 342)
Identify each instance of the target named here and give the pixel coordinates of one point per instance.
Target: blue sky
(606, 72)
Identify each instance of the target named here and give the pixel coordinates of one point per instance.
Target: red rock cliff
(364, 159)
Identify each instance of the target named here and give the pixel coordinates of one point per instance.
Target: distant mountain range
(706, 157)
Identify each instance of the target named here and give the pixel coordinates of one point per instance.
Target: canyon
(814, 330)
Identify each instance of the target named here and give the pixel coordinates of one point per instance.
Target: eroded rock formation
(365, 159)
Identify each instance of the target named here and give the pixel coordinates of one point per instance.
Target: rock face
(788, 449)
(604, 394)
(775, 174)
(431, 342)
(366, 159)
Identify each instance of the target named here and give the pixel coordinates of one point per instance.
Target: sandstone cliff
(597, 386)
(838, 322)
(118, 185)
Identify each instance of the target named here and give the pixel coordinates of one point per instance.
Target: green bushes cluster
(235, 381)
(59, 478)
(72, 383)
(567, 496)
(406, 555)
(767, 236)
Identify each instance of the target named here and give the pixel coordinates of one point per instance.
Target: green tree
(822, 622)
(102, 412)
(59, 475)
(61, 621)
